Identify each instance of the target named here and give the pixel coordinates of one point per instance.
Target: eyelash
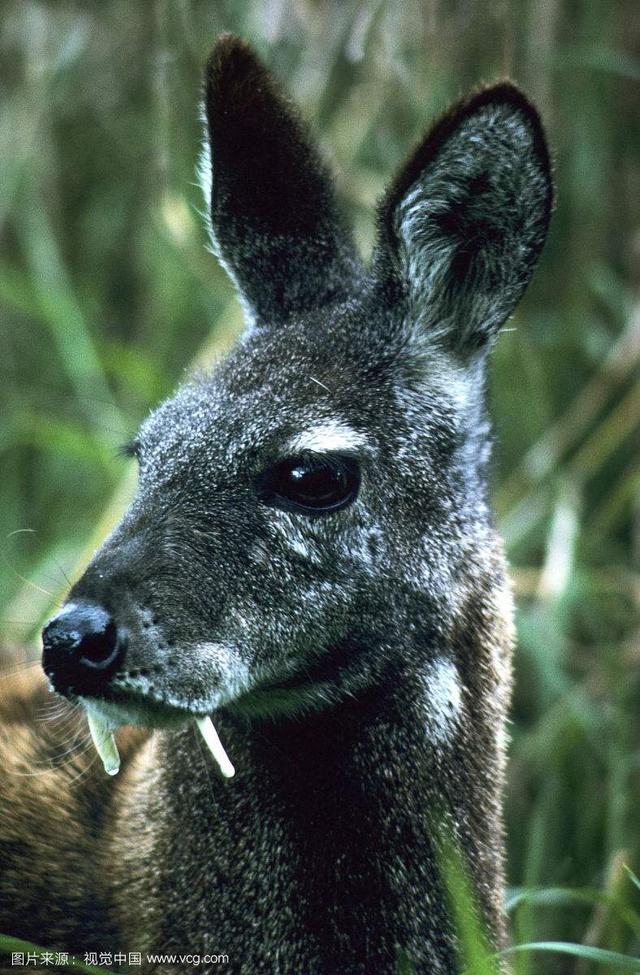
(129, 449)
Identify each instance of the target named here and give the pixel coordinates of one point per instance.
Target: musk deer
(310, 559)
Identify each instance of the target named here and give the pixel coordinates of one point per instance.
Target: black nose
(82, 648)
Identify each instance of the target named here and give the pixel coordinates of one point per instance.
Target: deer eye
(311, 485)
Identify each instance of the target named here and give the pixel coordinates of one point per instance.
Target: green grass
(107, 294)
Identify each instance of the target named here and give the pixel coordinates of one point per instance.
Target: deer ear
(274, 222)
(462, 226)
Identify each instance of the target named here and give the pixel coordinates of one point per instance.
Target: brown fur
(53, 810)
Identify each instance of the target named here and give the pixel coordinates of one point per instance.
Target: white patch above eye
(326, 437)
(443, 699)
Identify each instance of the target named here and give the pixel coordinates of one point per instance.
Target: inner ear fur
(461, 227)
(274, 218)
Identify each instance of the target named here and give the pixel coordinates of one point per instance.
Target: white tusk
(215, 746)
(105, 743)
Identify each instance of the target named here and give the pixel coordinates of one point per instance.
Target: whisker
(70, 738)
(19, 669)
(8, 622)
(84, 773)
(12, 568)
(206, 761)
(54, 710)
(28, 582)
(53, 764)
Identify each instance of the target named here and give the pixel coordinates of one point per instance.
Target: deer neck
(321, 851)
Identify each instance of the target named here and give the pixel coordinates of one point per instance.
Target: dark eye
(315, 485)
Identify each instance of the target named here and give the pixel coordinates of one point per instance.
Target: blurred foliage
(107, 294)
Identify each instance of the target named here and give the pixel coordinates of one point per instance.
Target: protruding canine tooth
(215, 746)
(105, 743)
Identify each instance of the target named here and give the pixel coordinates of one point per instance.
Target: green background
(107, 295)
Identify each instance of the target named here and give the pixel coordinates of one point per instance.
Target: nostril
(82, 645)
(99, 649)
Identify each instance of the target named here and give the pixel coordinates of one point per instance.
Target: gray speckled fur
(357, 665)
